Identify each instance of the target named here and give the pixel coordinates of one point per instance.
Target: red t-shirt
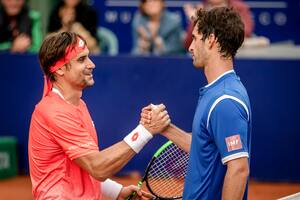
(59, 133)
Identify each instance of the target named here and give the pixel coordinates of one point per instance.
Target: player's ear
(60, 71)
(212, 40)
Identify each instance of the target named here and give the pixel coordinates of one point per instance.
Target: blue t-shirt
(221, 132)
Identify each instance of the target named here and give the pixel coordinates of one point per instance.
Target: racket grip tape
(134, 193)
(131, 196)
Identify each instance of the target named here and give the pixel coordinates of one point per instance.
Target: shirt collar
(219, 77)
(205, 88)
(58, 92)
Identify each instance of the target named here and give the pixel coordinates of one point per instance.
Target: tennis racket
(165, 173)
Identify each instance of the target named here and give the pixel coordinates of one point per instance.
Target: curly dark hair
(225, 24)
(54, 48)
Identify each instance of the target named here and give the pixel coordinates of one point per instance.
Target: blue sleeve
(228, 125)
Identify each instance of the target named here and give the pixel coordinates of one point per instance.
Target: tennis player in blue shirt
(219, 145)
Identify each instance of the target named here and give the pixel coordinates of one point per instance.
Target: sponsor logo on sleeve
(233, 143)
(73, 147)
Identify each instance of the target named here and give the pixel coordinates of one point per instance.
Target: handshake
(155, 118)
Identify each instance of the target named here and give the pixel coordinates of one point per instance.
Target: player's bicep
(229, 126)
(238, 165)
(86, 162)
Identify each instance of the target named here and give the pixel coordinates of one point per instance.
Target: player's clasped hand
(155, 118)
(128, 190)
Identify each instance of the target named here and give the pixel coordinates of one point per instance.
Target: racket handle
(134, 193)
(131, 196)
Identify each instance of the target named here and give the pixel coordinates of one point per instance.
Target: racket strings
(167, 172)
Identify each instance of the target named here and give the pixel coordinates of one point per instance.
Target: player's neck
(68, 93)
(216, 68)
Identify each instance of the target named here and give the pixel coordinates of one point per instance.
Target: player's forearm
(178, 136)
(235, 183)
(105, 163)
(234, 187)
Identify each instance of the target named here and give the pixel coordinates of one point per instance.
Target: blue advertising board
(124, 84)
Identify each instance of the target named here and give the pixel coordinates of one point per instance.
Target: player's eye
(81, 59)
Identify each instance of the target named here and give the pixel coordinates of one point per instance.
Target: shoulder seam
(218, 100)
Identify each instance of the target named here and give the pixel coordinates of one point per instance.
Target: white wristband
(111, 189)
(138, 138)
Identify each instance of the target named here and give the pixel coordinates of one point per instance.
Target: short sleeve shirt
(59, 133)
(221, 132)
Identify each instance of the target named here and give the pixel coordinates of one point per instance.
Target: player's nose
(91, 64)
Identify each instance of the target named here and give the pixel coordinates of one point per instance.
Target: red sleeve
(69, 132)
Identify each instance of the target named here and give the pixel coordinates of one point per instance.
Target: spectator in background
(156, 30)
(76, 16)
(238, 5)
(19, 27)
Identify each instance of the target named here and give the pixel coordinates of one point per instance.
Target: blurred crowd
(155, 29)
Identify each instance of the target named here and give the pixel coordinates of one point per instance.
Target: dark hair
(142, 2)
(23, 23)
(225, 24)
(85, 14)
(54, 48)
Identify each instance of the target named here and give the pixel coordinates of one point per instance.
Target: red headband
(71, 52)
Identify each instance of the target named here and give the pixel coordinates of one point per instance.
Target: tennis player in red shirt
(64, 157)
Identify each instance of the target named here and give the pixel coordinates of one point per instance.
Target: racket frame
(145, 177)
